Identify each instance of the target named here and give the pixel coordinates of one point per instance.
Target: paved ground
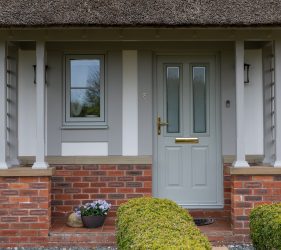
(231, 247)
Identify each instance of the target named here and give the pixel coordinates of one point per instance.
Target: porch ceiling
(35, 13)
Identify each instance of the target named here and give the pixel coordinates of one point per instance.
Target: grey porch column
(4, 164)
(277, 162)
(240, 160)
(40, 106)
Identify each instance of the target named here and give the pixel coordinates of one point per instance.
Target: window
(84, 90)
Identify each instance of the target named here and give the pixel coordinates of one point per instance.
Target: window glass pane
(173, 99)
(199, 99)
(84, 72)
(85, 102)
(85, 88)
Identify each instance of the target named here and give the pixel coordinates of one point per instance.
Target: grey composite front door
(188, 160)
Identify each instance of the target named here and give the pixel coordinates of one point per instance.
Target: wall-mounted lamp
(34, 73)
(246, 73)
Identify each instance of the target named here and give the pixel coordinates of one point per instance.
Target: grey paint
(196, 162)
(228, 94)
(145, 120)
(226, 80)
(113, 132)
(12, 82)
(113, 51)
(114, 99)
(215, 133)
(268, 64)
(84, 135)
(54, 102)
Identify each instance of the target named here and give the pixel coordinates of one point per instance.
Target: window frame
(84, 122)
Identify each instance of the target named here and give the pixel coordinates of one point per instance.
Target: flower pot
(93, 221)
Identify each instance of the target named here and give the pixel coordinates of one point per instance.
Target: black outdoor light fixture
(246, 73)
(34, 73)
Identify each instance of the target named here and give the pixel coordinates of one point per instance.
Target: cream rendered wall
(84, 149)
(254, 104)
(26, 104)
(130, 103)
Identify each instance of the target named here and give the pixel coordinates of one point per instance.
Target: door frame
(209, 52)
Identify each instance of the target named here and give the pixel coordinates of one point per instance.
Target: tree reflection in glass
(85, 88)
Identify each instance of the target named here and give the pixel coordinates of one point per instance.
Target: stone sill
(254, 170)
(27, 171)
(252, 159)
(57, 160)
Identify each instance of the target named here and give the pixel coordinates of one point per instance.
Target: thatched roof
(127, 13)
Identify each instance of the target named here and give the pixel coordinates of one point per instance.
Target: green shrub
(265, 226)
(151, 223)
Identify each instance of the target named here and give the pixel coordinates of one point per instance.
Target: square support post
(277, 162)
(240, 142)
(40, 106)
(4, 164)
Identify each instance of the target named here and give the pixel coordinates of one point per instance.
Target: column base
(240, 164)
(5, 165)
(15, 162)
(277, 164)
(268, 161)
(40, 165)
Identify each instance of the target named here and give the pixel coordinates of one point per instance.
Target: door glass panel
(199, 99)
(173, 98)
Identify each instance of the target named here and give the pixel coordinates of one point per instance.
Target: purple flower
(98, 208)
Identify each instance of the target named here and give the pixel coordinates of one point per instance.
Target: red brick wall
(24, 210)
(25, 202)
(248, 192)
(74, 185)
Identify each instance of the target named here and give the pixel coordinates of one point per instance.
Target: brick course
(248, 192)
(25, 211)
(74, 185)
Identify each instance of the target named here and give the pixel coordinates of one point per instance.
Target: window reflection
(173, 99)
(85, 88)
(199, 99)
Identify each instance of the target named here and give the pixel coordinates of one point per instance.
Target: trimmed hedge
(265, 226)
(152, 223)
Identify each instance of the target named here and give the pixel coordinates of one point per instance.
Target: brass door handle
(159, 124)
(192, 140)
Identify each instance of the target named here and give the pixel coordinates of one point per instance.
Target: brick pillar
(249, 191)
(25, 211)
(241, 203)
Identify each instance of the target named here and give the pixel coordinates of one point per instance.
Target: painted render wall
(108, 140)
(111, 139)
(254, 104)
(26, 104)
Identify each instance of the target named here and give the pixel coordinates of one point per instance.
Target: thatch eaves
(130, 13)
